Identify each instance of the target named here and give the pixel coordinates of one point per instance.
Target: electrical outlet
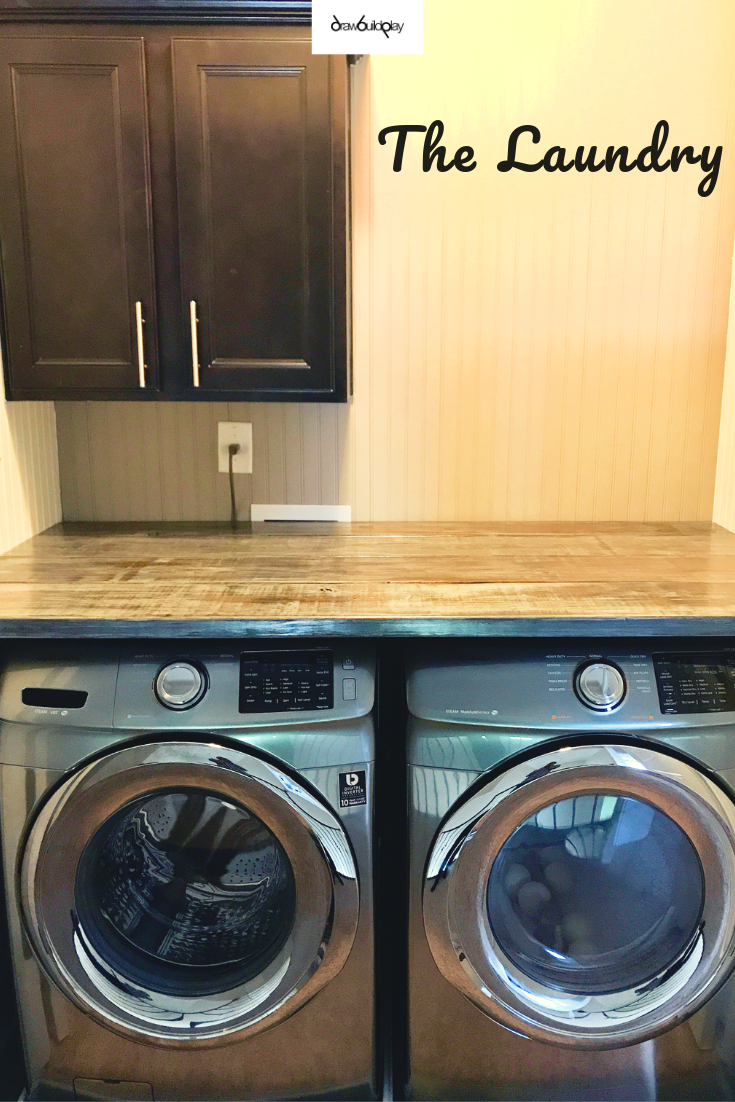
(235, 432)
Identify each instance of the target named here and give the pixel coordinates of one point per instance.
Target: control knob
(180, 685)
(600, 685)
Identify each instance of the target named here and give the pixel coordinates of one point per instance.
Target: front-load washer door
(182, 892)
(586, 896)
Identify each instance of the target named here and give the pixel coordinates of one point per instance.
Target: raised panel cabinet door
(262, 217)
(78, 287)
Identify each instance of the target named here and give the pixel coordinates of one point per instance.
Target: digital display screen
(286, 681)
(691, 683)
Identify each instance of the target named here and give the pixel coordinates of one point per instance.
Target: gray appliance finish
(572, 871)
(188, 850)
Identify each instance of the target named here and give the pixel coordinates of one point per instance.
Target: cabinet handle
(194, 343)
(141, 352)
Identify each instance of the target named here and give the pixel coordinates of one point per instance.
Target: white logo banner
(367, 26)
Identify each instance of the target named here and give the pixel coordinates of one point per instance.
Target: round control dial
(180, 685)
(600, 685)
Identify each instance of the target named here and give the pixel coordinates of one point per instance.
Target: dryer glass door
(585, 897)
(184, 891)
(595, 894)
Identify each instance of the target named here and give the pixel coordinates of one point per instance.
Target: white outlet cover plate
(235, 432)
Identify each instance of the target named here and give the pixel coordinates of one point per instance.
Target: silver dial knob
(600, 686)
(180, 685)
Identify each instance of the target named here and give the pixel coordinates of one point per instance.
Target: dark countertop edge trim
(531, 627)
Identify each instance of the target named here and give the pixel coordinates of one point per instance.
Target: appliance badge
(471, 712)
(352, 789)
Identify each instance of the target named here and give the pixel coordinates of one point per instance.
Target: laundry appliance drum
(585, 896)
(185, 892)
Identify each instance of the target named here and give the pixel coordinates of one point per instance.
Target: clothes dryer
(188, 850)
(572, 872)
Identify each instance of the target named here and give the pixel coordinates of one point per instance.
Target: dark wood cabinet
(75, 216)
(220, 154)
(254, 182)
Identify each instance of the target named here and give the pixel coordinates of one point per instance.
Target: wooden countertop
(370, 579)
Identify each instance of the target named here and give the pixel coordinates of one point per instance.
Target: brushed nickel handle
(194, 343)
(141, 350)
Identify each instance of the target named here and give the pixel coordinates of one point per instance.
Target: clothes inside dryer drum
(185, 892)
(596, 894)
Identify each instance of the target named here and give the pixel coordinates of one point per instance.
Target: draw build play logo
(385, 26)
(367, 26)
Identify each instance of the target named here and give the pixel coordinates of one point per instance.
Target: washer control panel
(690, 684)
(287, 681)
(600, 685)
(180, 685)
(246, 685)
(205, 687)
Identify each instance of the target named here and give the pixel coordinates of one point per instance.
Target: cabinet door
(262, 217)
(75, 218)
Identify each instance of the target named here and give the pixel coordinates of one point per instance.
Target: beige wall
(29, 473)
(724, 504)
(526, 345)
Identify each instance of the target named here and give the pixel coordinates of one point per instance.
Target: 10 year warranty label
(352, 789)
(367, 26)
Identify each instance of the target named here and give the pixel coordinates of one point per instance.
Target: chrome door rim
(458, 928)
(327, 891)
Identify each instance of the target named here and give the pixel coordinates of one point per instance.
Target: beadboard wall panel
(527, 346)
(724, 503)
(158, 461)
(29, 471)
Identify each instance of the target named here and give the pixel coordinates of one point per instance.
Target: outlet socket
(235, 432)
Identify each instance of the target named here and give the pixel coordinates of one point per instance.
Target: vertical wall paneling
(724, 503)
(29, 471)
(158, 461)
(531, 346)
(561, 335)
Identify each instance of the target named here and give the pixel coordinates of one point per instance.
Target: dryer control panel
(575, 687)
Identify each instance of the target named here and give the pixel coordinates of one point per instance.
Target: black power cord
(232, 450)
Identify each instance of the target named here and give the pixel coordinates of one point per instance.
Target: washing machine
(572, 871)
(188, 837)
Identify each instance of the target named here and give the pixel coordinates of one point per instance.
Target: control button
(348, 663)
(349, 688)
(600, 686)
(180, 685)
